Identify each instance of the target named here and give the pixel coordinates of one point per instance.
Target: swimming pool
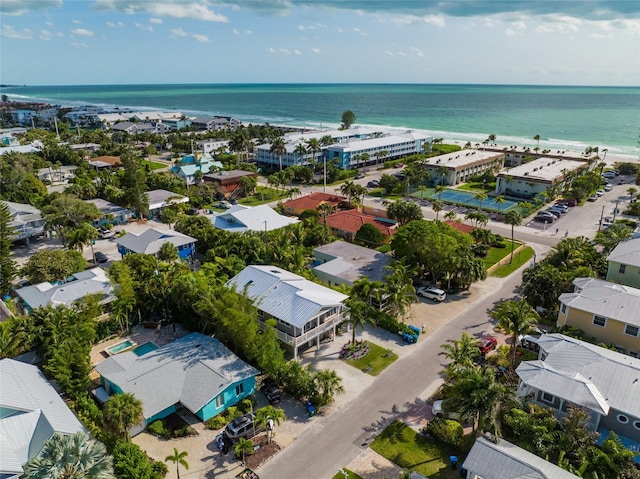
(467, 198)
(120, 347)
(145, 348)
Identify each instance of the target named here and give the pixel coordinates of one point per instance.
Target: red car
(486, 344)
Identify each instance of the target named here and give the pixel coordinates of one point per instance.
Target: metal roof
(192, 370)
(616, 376)
(241, 218)
(158, 198)
(32, 412)
(92, 281)
(284, 295)
(507, 461)
(627, 252)
(351, 262)
(606, 299)
(151, 240)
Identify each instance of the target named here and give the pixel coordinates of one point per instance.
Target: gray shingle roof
(507, 461)
(352, 262)
(92, 281)
(158, 198)
(627, 252)
(151, 240)
(38, 412)
(192, 370)
(284, 295)
(606, 299)
(616, 376)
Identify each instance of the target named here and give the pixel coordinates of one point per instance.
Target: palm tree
(359, 316)
(492, 138)
(264, 414)
(451, 215)
(279, 149)
(301, 150)
(610, 238)
(293, 192)
(537, 138)
(399, 290)
(347, 189)
(460, 352)
(422, 189)
(480, 197)
(328, 384)
(242, 447)
(122, 412)
(467, 145)
(438, 190)
(632, 191)
(512, 218)
(70, 457)
(436, 206)
(500, 201)
(313, 147)
(168, 252)
(81, 237)
(178, 458)
(515, 318)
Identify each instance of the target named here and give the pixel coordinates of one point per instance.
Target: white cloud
(60, 34)
(279, 51)
(82, 32)
(339, 30)
(78, 45)
(157, 21)
(45, 35)
(191, 9)
(401, 54)
(316, 50)
(560, 24)
(147, 28)
(519, 25)
(76, 22)
(435, 20)
(200, 38)
(49, 24)
(248, 32)
(9, 32)
(300, 27)
(297, 52)
(416, 51)
(178, 32)
(115, 25)
(510, 32)
(236, 32)
(387, 52)
(18, 7)
(599, 36)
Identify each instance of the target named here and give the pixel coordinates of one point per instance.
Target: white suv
(431, 292)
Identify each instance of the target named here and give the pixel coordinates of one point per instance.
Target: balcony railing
(312, 333)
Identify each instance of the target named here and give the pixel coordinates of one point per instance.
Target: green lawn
(477, 186)
(410, 450)
(377, 360)
(263, 195)
(350, 475)
(154, 165)
(519, 259)
(496, 254)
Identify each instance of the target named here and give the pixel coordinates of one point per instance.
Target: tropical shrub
(447, 431)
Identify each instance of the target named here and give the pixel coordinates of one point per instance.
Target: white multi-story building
(459, 166)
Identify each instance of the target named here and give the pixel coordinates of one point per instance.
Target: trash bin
(311, 411)
(454, 462)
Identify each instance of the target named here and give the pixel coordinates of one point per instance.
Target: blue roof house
(152, 240)
(186, 168)
(196, 371)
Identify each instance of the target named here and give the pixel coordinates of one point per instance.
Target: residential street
(340, 437)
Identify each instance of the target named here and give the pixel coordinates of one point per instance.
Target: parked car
(225, 205)
(431, 292)
(437, 409)
(360, 175)
(487, 344)
(547, 215)
(373, 184)
(608, 174)
(243, 426)
(593, 198)
(600, 192)
(399, 165)
(270, 389)
(106, 232)
(555, 211)
(608, 187)
(571, 202)
(101, 257)
(560, 206)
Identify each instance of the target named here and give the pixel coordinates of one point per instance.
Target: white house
(305, 312)
(239, 219)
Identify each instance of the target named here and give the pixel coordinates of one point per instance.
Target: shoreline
(621, 152)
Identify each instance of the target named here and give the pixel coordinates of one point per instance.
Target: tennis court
(460, 197)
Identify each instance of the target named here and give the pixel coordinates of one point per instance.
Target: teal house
(197, 373)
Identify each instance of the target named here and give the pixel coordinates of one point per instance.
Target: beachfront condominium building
(531, 179)
(354, 153)
(297, 146)
(517, 155)
(459, 166)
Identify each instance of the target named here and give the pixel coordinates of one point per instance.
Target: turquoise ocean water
(564, 117)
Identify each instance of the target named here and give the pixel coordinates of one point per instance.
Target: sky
(543, 42)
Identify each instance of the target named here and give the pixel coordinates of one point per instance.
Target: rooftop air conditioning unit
(535, 169)
(526, 173)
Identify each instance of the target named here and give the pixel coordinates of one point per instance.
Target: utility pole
(615, 211)
(601, 218)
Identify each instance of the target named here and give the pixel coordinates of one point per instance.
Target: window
(622, 268)
(219, 401)
(239, 389)
(546, 397)
(631, 330)
(564, 308)
(622, 419)
(600, 321)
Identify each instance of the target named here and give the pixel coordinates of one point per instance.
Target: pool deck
(139, 335)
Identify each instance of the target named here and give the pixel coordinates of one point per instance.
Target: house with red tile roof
(460, 226)
(311, 202)
(345, 224)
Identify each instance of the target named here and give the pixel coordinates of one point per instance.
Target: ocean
(565, 117)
